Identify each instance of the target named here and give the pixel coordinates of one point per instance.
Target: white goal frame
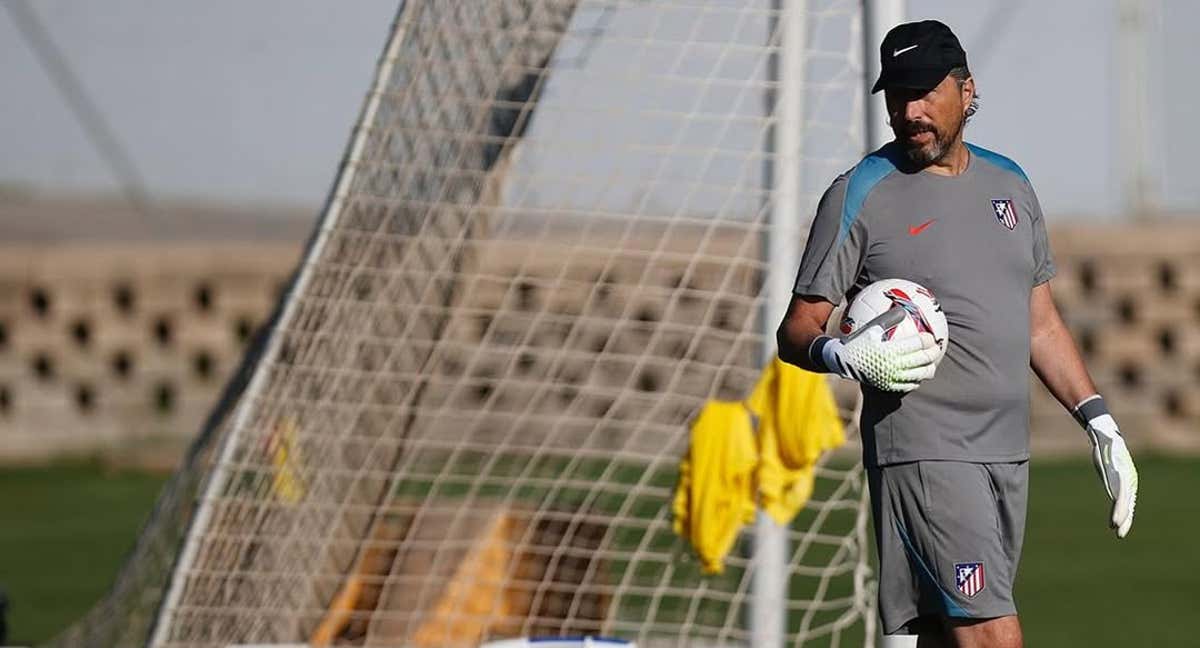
(767, 620)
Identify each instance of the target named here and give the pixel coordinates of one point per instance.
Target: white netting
(542, 257)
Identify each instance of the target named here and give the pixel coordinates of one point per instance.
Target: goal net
(545, 251)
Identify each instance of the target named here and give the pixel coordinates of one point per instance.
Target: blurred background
(161, 165)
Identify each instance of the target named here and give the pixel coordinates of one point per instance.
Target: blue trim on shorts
(951, 606)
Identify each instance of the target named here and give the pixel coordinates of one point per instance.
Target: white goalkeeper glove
(1112, 461)
(895, 365)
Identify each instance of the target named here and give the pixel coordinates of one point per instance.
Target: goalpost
(560, 227)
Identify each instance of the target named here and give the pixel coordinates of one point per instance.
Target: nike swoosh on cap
(914, 230)
(898, 52)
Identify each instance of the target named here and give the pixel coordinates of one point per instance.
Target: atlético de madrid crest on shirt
(1005, 212)
(968, 577)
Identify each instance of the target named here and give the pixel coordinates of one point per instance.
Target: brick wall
(1131, 295)
(121, 349)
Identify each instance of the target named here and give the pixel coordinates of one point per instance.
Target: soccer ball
(924, 312)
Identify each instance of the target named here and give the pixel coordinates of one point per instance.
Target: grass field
(64, 531)
(1080, 586)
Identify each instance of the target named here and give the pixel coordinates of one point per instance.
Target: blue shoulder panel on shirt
(866, 174)
(997, 160)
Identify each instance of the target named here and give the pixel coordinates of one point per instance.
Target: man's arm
(1056, 361)
(1053, 354)
(805, 322)
(896, 365)
(833, 257)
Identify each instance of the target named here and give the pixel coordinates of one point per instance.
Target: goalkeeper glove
(1112, 461)
(895, 365)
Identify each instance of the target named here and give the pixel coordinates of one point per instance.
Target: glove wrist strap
(816, 353)
(1089, 408)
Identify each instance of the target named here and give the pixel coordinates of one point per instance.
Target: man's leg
(959, 542)
(1001, 632)
(947, 555)
(899, 594)
(1011, 483)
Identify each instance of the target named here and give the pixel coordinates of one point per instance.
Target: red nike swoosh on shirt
(914, 230)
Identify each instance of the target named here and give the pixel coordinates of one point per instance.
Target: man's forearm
(1053, 354)
(1056, 361)
(804, 323)
(794, 339)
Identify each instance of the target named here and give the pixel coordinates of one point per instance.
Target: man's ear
(968, 92)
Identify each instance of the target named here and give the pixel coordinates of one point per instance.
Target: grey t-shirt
(978, 241)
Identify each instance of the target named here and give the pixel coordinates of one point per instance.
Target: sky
(222, 100)
(252, 102)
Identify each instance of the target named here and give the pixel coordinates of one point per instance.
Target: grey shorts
(949, 537)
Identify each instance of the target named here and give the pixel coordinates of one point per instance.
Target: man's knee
(1001, 632)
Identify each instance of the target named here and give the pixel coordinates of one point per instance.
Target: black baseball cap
(918, 55)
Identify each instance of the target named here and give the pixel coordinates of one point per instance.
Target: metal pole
(781, 252)
(1135, 20)
(878, 16)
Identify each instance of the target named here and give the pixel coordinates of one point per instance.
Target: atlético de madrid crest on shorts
(1005, 212)
(968, 577)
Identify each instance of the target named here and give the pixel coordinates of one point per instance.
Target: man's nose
(913, 111)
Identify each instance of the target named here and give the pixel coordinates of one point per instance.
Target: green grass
(1080, 586)
(65, 529)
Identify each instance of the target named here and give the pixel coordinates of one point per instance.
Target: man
(947, 463)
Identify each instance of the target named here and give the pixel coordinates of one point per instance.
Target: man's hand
(1116, 469)
(1112, 460)
(1055, 359)
(895, 365)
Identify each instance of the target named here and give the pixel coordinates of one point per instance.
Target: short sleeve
(1043, 258)
(832, 257)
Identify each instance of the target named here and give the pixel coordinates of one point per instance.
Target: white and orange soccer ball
(924, 313)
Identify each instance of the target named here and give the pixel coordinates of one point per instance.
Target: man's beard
(925, 154)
